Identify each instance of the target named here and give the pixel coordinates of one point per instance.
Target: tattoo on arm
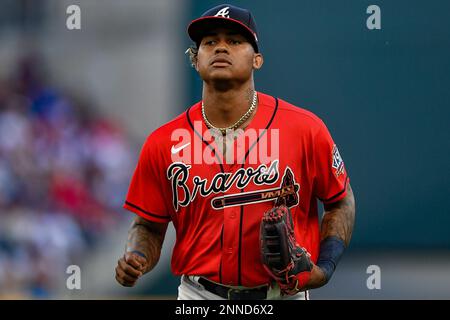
(147, 237)
(339, 218)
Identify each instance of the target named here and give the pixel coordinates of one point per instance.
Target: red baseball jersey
(216, 202)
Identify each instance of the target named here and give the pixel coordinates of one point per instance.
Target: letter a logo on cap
(223, 12)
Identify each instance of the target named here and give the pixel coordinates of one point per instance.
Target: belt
(228, 293)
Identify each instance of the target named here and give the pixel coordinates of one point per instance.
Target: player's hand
(130, 268)
(317, 278)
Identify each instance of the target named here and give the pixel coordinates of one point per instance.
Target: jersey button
(232, 215)
(230, 250)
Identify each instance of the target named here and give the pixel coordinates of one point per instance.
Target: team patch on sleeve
(338, 163)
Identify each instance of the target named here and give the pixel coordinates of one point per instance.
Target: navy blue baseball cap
(225, 15)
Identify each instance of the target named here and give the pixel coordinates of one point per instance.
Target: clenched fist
(130, 268)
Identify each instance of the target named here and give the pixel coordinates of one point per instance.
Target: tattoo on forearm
(147, 239)
(339, 218)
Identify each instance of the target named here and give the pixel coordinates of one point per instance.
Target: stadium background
(75, 106)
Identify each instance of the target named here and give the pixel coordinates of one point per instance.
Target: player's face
(226, 55)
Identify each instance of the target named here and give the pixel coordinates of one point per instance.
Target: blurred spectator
(63, 175)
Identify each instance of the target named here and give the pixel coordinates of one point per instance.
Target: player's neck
(225, 107)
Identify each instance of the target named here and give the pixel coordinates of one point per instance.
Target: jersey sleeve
(331, 179)
(146, 191)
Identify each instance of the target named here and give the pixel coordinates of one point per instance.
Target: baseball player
(238, 174)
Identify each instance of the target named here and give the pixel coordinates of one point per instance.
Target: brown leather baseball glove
(287, 263)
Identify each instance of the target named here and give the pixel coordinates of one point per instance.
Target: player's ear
(195, 61)
(196, 64)
(258, 61)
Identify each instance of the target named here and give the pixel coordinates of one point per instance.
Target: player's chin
(223, 75)
(220, 72)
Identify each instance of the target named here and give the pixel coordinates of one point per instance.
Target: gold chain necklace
(238, 123)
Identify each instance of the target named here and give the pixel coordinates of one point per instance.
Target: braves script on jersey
(216, 202)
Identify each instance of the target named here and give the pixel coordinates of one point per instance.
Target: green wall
(384, 95)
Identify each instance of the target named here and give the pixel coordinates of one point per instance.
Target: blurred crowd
(64, 172)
